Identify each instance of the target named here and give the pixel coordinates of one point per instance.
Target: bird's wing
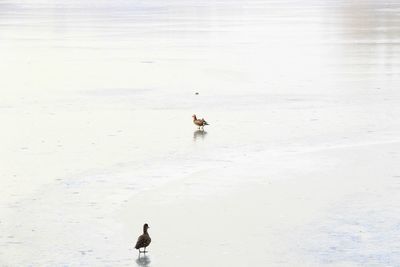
(139, 242)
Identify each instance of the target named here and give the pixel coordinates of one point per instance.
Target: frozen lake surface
(299, 166)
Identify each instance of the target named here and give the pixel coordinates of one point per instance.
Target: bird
(200, 123)
(144, 240)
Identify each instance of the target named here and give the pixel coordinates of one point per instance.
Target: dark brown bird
(200, 123)
(144, 240)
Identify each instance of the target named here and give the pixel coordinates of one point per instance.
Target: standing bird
(144, 240)
(199, 123)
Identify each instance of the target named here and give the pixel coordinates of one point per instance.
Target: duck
(199, 122)
(144, 240)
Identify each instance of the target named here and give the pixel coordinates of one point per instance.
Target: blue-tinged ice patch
(364, 231)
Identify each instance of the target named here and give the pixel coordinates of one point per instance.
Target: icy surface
(299, 166)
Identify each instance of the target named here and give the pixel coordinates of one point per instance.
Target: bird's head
(194, 116)
(146, 226)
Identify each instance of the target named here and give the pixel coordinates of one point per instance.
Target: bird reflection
(199, 134)
(143, 261)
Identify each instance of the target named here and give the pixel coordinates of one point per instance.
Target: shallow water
(97, 98)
